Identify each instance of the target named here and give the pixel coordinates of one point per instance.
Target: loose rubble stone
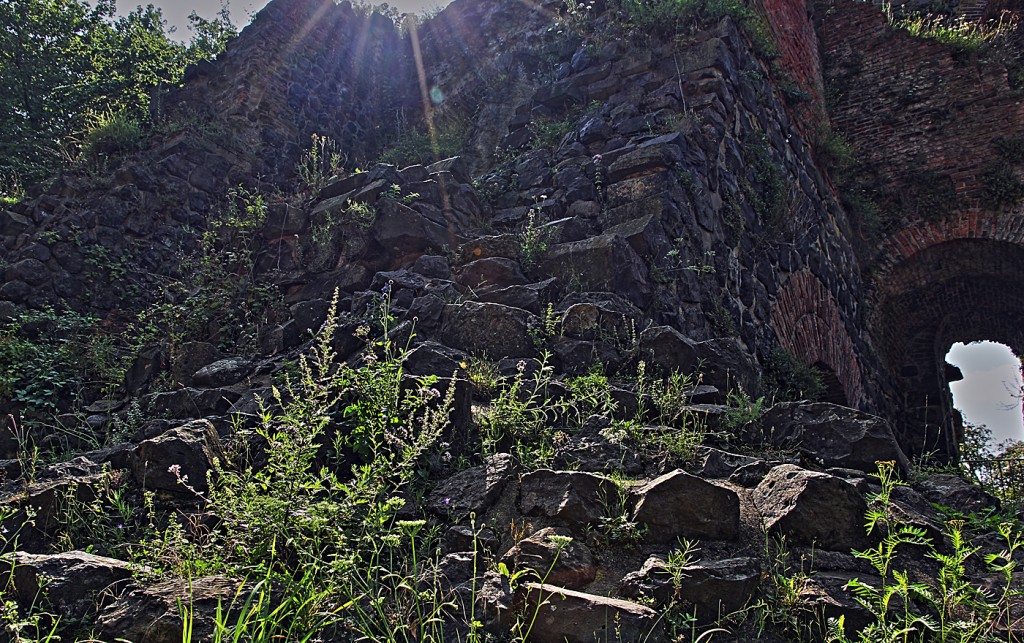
(811, 509)
(680, 505)
(833, 436)
(576, 617)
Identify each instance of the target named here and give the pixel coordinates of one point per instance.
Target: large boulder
(604, 263)
(558, 615)
(832, 435)
(570, 498)
(679, 505)
(953, 491)
(187, 452)
(811, 508)
(555, 557)
(668, 350)
(488, 329)
(71, 585)
(152, 614)
(714, 587)
(475, 489)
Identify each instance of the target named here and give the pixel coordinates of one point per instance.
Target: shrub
(668, 17)
(786, 379)
(1000, 187)
(446, 138)
(319, 163)
(110, 133)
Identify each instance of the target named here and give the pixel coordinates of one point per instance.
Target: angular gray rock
(563, 615)
(811, 508)
(566, 565)
(488, 329)
(72, 585)
(573, 499)
(151, 614)
(473, 490)
(189, 450)
(678, 504)
(832, 435)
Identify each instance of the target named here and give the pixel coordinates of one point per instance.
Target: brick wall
(807, 322)
(909, 104)
(793, 30)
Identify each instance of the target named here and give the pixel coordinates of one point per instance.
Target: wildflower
(447, 501)
(560, 541)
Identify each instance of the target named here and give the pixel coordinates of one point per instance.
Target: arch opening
(963, 290)
(832, 387)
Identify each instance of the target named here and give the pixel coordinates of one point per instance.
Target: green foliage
(834, 152)
(359, 213)
(768, 194)
(666, 400)
(319, 163)
(947, 607)
(668, 17)
(110, 133)
(960, 33)
(744, 411)
(591, 394)
(216, 296)
(1000, 187)
(783, 604)
(533, 240)
(444, 139)
(64, 61)
(549, 133)
(517, 418)
(320, 530)
(53, 357)
(101, 519)
(615, 524)
(394, 192)
(787, 379)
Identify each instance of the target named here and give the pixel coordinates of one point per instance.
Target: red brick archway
(807, 322)
(957, 280)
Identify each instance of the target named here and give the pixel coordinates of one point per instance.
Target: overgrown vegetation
(946, 607)
(958, 32)
(75, 79)
(216, 295)
(444, 138)
(786, 379)
(670, 17)
(53, 359)
(319, 163)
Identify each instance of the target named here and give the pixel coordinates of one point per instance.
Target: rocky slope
(599, 292)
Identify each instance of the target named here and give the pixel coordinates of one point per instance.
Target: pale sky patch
(986, 395)
(176, 12)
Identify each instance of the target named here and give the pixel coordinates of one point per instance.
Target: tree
(64, 62)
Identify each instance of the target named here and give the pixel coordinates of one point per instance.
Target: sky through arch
(986, 394)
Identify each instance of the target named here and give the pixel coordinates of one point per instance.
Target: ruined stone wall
(912, 106)
(107, 226)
